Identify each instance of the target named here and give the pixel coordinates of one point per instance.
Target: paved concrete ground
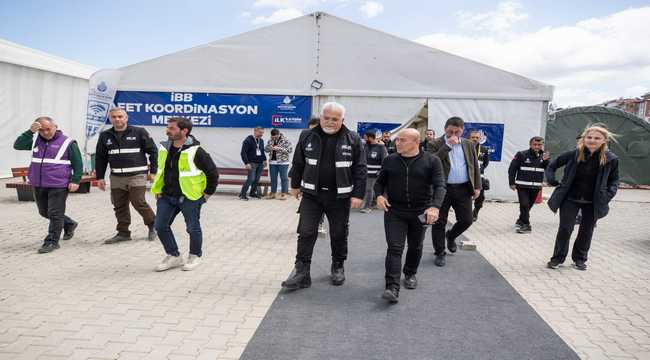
(465, 310)
(604, 312)
(89, 300)
(93, 301)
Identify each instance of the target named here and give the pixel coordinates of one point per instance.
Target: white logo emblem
(109, 142)
(309, 148)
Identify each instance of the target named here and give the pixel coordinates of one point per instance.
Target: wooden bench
(25, 190)
(237, 176)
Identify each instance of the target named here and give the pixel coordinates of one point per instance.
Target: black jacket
(606, 182)
(483, 157)
(417, 186)
(350, 162)
(375, 155)
(248, 150)
(125, 153)
(390, 146)
(202, 160)
(527, 170)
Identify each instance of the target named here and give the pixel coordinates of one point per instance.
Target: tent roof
(603, 110)
(347, 58)
(13, 53)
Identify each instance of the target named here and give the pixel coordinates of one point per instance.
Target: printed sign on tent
(491, 137)
(148, 108)
(362, 127)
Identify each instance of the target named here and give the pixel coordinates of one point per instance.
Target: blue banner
(362, 127)
(491, 137)
(148, 108)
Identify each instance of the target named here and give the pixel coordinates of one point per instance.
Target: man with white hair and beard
(329, 174)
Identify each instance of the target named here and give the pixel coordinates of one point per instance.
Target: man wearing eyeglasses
(329, 175)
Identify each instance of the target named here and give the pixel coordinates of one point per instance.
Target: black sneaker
(410, 282)
(118, 238)
(524, 229)
(439, 260)
(552, 265)
(580, 265)
(69, 232)
(391, 295)
(48, 246)
(244, 198)
(518, 223)
(256, 196)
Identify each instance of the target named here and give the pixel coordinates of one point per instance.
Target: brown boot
(270, 196)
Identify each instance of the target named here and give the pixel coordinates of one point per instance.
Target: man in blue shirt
(460, 164)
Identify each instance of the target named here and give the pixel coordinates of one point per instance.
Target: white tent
(33, 83)
(380, 78)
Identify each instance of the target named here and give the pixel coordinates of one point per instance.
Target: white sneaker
(170, 262)
(192, 262)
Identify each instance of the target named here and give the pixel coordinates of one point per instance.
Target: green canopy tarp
(631, 145)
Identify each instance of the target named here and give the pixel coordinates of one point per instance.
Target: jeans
(51, 205)
(369, 198)
(400, 226)
(282, 170)
(252, 179)
(125, 190)
(311, 212)
(568, 213)
(459, 196)
(167, 209)
(526, 201)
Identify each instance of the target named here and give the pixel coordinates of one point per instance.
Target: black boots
(299, 277)
(338, 273)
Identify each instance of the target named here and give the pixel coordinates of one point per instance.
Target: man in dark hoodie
(252, 154)
(186, 178)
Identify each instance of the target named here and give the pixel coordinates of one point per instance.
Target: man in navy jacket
(252, 154)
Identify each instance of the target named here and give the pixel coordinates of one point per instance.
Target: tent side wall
(25, 94)
(521, 120)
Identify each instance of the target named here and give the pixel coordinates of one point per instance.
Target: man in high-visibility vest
(186, 178)
(526, 176)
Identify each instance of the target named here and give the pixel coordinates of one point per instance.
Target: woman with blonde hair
(589, 183)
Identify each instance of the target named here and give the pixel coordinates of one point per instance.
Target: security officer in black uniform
(388, 143)
(329, 173)
(526, 176)
(484, 160)
(126, 149)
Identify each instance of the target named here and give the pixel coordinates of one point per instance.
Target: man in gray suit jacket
(463, 175)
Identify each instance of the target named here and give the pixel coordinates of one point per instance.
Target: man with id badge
(252, 154)
(410, 189)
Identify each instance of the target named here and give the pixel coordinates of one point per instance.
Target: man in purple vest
(55, 170)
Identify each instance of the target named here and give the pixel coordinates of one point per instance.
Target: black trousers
(527, 198)
(459, 197)
(311, 210)
(51, 205)
(568, 214)
(400, 226)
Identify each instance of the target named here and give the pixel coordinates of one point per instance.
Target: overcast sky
(591, 51)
